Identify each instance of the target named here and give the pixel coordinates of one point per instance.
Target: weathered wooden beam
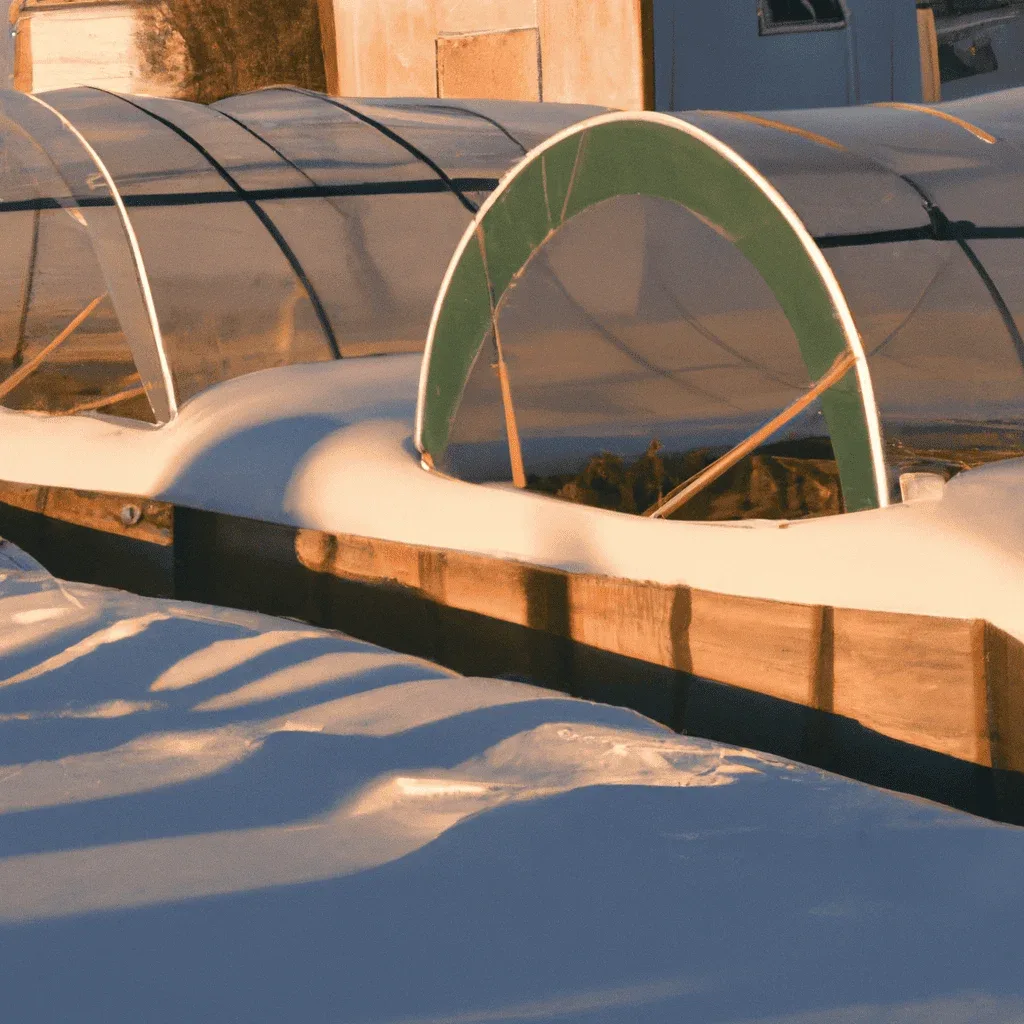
(1004, 670)
(121, 514)
(952, 686)
(329, 46)
(645, 18)
(928, 44)
(916, 678)
(22, 28)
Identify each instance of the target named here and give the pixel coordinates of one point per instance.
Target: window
(799, 15)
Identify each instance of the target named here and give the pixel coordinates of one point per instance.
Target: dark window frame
(768, 26)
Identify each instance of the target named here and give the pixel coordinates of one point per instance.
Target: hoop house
(647, 282)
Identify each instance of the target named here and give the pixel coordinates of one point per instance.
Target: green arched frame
(656, 155)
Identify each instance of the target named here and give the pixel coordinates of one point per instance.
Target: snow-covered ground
(208, 815)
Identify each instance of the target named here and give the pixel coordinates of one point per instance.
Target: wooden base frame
(927, 705)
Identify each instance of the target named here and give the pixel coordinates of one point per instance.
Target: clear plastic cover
(631, 367)
(638, 330)
(377, 241)
(283, 227)
(227, 298)
(273, 228)
(941, 309)
(63, 347)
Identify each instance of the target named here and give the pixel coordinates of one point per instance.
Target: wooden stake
(33, 364)
(102, 403)
(680, 495)
(329, 46)
(515, 449)
(928, 43)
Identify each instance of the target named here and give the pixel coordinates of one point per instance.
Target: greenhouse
(646, 291)
(831, 300)
(200, 243)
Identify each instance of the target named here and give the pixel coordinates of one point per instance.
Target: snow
(329, 447)
(212, 815)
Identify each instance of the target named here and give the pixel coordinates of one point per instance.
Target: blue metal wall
(711, 55)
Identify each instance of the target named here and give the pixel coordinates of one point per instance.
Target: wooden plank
(919, 679)
(24, 496)
(497, 588)
(955, 687)
(121, 514)
(329, 46)
(84, 45)
(1004, 657)
(626, 618)
(928, 43)
(593, 52)
(759, 645)
(23, 54)
(389, 47)
(358, 558)
(500, 65)
(929, 681)
(645, 14)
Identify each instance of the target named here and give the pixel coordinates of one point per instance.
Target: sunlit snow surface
(212, 815)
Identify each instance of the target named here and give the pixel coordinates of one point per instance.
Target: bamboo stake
(515, 448)
(101, 403)
(680, 495)
(33, 364)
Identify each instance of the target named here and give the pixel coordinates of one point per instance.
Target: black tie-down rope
(480, 116)
(257, 209)
(394, 137)
(941, 229)
(253, 195)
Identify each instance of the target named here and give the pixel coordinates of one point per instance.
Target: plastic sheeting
(934, 274)
(69, 249)
(638, 321)
(273, 228)
(284, 226)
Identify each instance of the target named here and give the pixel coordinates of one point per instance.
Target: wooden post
(1004, 669)
(22, 27)
(646, 20)
(928, 41)
(329, 46)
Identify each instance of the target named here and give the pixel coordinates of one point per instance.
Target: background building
(662, 54)
(61, 43)
(633, 54)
